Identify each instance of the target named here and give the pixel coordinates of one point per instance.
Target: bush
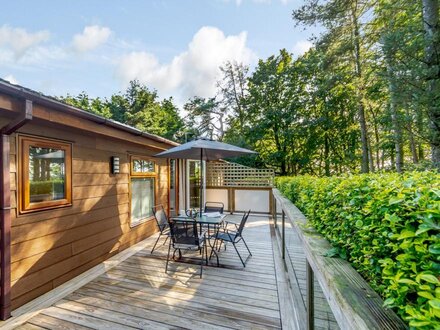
(46, 187)
(387, 226)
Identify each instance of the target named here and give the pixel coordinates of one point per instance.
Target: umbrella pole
(201, 180)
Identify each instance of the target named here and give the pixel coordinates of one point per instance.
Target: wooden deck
(137, 294)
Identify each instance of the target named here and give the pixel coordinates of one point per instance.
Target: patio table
(204, 220)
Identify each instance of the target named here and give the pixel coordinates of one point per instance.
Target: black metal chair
(214, 207)
(185, 236)
(233, 236)
(162, 223)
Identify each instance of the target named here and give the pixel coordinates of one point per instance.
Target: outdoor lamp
(115, 165)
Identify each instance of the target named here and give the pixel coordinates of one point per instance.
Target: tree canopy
(138, 106)
(364, 98)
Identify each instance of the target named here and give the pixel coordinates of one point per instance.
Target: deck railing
(355, 305)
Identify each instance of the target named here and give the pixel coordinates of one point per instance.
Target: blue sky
(175, 47)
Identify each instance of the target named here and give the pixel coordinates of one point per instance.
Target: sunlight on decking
(137, 293)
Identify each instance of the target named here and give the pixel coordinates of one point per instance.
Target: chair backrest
(160, 216)
(214, 207)
(243, 222)
(184, 232)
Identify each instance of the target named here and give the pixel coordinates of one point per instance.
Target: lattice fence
(236, 175)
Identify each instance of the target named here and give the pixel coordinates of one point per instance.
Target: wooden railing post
(310, 298)
(283, 234)
(337, 279)
(274, 210)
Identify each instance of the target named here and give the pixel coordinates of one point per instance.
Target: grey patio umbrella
(207, 150)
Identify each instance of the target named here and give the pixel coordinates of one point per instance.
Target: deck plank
(48, 322)
(137, 293)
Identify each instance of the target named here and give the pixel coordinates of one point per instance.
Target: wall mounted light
(115, 165)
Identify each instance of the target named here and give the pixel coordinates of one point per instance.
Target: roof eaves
(49, 101)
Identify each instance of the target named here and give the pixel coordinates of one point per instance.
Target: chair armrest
(232, 223)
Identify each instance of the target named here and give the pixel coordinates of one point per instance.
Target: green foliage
(205, 118)
(46, 187)
(138, 107)
(388, 227)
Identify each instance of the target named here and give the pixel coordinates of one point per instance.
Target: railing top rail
(354, 303)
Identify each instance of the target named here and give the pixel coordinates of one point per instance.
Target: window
(142, 166)
(143, 183)
(45, 176)
(142, 198)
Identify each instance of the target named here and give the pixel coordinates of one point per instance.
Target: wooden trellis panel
(236, 175)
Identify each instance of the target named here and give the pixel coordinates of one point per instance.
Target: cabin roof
(49, 101)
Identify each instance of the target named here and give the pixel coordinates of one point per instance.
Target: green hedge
(46, 187)
(388, 227)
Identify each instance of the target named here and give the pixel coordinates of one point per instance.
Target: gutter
(51, 102)
(5, 208)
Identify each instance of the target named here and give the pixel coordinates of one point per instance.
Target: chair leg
(233, 244)
(246, 246)
(213, 251)
(213, 246)
(158, 237)
(166, 239)
(218, 245)
(201, 263)
(168, 257)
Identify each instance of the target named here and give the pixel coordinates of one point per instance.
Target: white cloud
(11, 79)
(92, 37)
(19, 41)
(192, 72)
(301, 47)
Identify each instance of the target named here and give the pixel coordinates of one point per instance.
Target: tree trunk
(370, 156)
(393, 106)
(326, 156)
(383, 158)
(432, 48)
(360, 91)
(412, 142)
(421, 152)
(393, 161)
(376, 137)
(397, 130)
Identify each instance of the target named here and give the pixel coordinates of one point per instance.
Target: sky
(172, 46)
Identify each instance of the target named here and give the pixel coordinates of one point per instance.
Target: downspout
(5, 209)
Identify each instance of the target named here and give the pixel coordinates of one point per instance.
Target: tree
(138, 107)
(83, 101)
(273, 111)
(206, 117)
(232, 92)
(432, 56)
(342, 19)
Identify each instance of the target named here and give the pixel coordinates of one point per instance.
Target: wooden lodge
(74, 191)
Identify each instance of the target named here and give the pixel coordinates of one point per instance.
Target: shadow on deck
(137, 293)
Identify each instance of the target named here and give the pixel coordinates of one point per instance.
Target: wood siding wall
(50, 247)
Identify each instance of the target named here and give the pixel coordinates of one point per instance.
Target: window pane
(46, 174)
(142, 198)
(143, 166)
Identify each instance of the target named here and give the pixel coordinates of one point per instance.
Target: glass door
(194, 183)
